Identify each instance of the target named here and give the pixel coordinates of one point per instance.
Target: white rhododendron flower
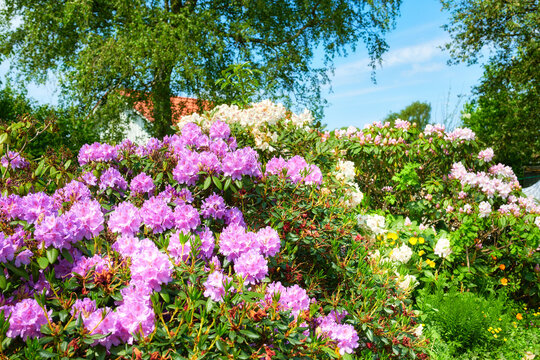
(402, 254)
(418, 331)
(409, 281)
(355, 196)
(442, 249)
(484, 209)
(345, 171)
(376, 223)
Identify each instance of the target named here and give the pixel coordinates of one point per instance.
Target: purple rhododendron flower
(268, 241)
(234, 216)
(83, 306)
(89, 178)
(111, 178)
(26, 319)
(186, 217)
(275, 166)
(219, 147)
(149, 266)
(209, 162)
(234, 241)
(213, 206)
(51, 231)
(96, 262)
(157, 215)
(97, 152)
(344, 335)
(11, 206)
(33, 206)
(89, 214)
(207, 243)
(125, 219)
(241, 162)
(191, 133)
(14, 160)
(214, 286)
(142, 184)
(220, 130)
(7, 248)
(23, 258)
(187, 168)
(72, 192)
(292, 298)
(251, 266)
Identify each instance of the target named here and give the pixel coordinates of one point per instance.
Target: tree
(158, 49)
(64, 128)
(417, 112)
(505, 110)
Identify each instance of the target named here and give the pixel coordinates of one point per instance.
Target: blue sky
(413, 69)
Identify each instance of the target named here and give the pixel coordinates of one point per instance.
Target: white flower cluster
(407, 282)
(356, 196)
(442, 249)
(402, 254)
(375, 223)
(484, 209)
(345, 171)
(257, 117)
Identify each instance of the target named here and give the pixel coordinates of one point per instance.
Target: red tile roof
(180, 106)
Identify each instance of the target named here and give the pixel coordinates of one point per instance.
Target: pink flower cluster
(296, 169)
(344, 335)
(26, 319)
(97, 152)
(14, 160)
(487, 183)
(293, 298)
(486, 155)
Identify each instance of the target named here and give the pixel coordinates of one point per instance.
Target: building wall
(135, 127)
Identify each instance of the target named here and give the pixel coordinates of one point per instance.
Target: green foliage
(463, 318)
(418, 113)
(505, 110)
(45, 128)
(174, 47)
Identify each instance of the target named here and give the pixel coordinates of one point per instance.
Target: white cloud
(410, 55)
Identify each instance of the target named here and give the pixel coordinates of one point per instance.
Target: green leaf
(46, 355)
(217, 182)
(43, 262)
(207, 183)
(250, 334)
(66, 254)
(52, 255)
(67, 164)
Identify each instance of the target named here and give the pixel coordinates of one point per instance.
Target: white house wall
(136, 131)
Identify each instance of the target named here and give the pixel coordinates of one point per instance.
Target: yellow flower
(504, 281)
(392, 236)
(421, 240)
(519, 316)
(413, 240)
(430, 263)
(502, 266)
(504, 339)
(421, 252)
(495, 336)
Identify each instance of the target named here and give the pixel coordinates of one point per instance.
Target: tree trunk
(161, 99)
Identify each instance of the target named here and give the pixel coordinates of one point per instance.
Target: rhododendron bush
(188, 247)
(252, 233)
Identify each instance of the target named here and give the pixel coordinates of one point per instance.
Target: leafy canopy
(505, 112)
(173, 47)
(417, 112)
